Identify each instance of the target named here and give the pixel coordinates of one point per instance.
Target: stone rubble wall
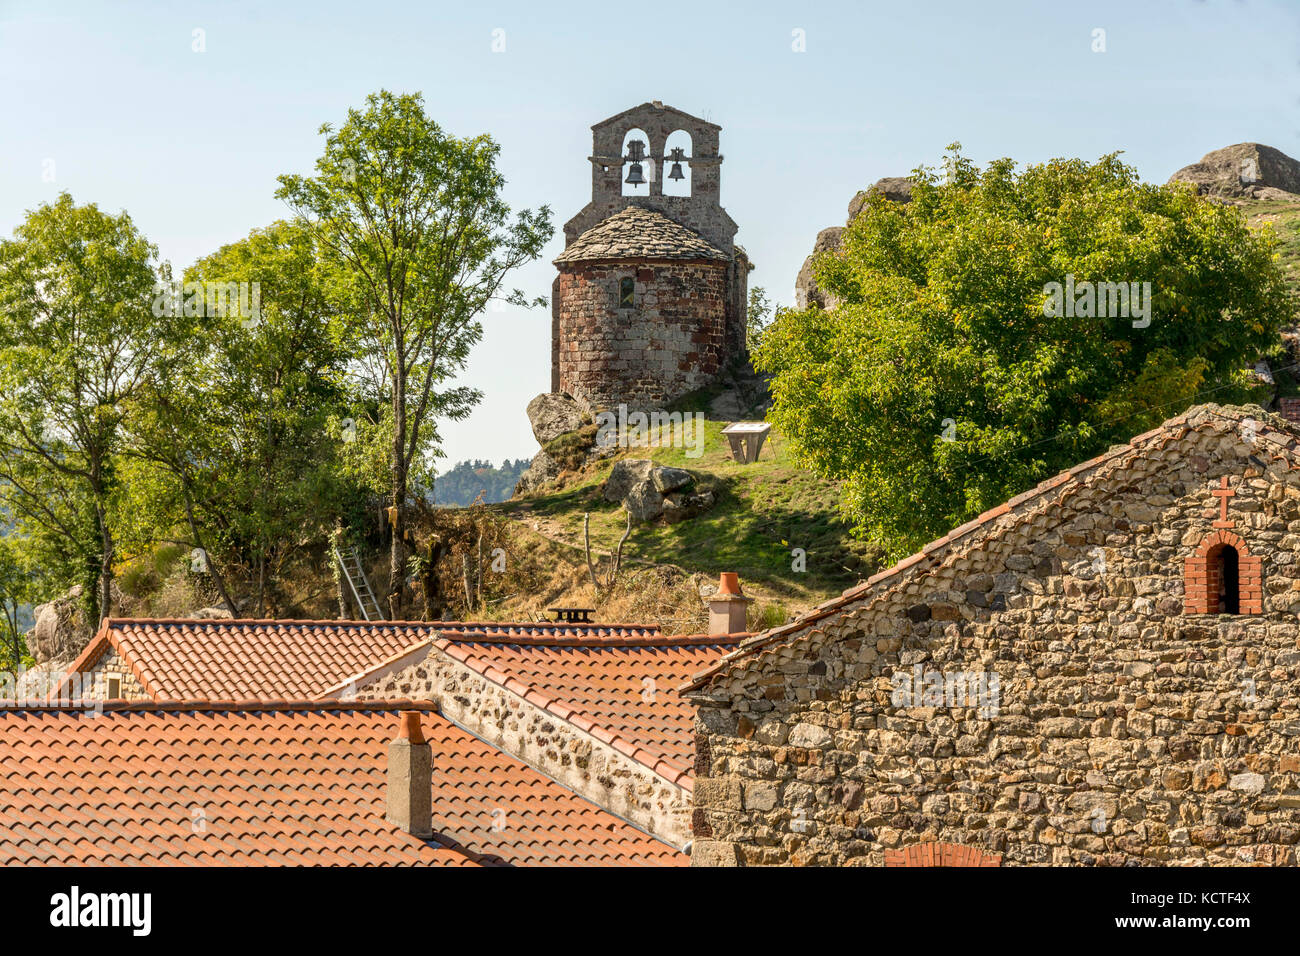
(559, 750)
(673, 342)
(1127, 731)
(95, 680)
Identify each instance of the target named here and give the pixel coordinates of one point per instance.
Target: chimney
(410, 778)
(727, 607)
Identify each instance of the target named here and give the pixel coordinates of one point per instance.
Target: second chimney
(410, 778)
(728, 607)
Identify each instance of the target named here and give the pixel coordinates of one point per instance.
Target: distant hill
(462, 484)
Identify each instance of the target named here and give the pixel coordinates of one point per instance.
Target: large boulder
(668, 480)
(894, 188)
(644, 502)
(542, 470)
(61, 631)
(1244, 171)
(649, 492)
(806, 292)
(626, 474)
(553, 414)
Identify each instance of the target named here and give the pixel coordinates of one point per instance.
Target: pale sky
(110, 102)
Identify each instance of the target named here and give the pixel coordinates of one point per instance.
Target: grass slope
(763, 511)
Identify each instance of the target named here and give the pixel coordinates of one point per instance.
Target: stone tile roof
(203, 783)
(280, 660)
(639, 233)
(620, 690)
(1277, 438)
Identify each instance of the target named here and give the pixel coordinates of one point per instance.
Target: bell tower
(612, 164)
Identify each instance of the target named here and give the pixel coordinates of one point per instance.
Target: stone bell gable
(1100, 671)
(651, 294)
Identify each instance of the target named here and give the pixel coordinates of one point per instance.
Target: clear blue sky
(190, 143)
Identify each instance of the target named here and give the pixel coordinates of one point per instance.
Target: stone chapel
(650, 299)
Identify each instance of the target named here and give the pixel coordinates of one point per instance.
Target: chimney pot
(728, 607)
(410, 778)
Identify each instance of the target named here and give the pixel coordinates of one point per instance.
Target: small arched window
(1223, 577)
(677, 164)
(627, 293)
(638, 165)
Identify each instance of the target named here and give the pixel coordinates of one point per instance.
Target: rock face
(625, 475)
(806, 293)
(61, 631)
(805, 287)
(553, 414)
(649, 492)
(1244, 171)
(542, 470)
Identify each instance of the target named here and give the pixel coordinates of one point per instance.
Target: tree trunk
(397, 555)
(105, 564)
(430, 583)
(217, 579)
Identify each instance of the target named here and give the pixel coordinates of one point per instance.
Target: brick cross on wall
(1223, 493)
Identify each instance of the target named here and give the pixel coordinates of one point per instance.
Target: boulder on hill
(1244, 171)
(553, 414)
(61, 631)
(894, 188)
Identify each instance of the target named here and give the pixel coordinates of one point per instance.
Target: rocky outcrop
(1244, 171)
(542, 470)
(649, 492)
(61, 631)
(553, 414)
(806, 293)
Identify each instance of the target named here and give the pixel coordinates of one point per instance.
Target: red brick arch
(941, 854)
(1201, 576)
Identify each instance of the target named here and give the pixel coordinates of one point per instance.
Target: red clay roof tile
(279, 783)
(287, 660)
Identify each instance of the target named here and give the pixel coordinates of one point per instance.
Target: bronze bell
(634, 177)
(676, 172)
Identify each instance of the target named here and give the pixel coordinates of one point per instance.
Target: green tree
(232, 453)
(940, 385)
(416, 219)
(15, 593)
(758, 316)
(78, 340)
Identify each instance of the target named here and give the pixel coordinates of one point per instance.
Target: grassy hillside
(763, 511)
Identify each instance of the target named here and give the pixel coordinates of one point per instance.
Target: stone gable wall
(559, 750)
(1126, 732)
(673, 342)
(95, 680)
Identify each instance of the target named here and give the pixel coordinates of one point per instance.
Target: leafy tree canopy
(940, 385)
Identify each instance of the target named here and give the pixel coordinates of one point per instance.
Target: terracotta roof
(205, 783)
(1273, 430)
(278, 660)
(639, 233)
(621, 690)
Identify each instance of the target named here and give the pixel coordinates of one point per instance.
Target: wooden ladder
(350, 561)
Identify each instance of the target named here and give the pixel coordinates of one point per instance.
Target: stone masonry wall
(1127, 731)
(546, 743)
(95, 680)
(673, 342)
